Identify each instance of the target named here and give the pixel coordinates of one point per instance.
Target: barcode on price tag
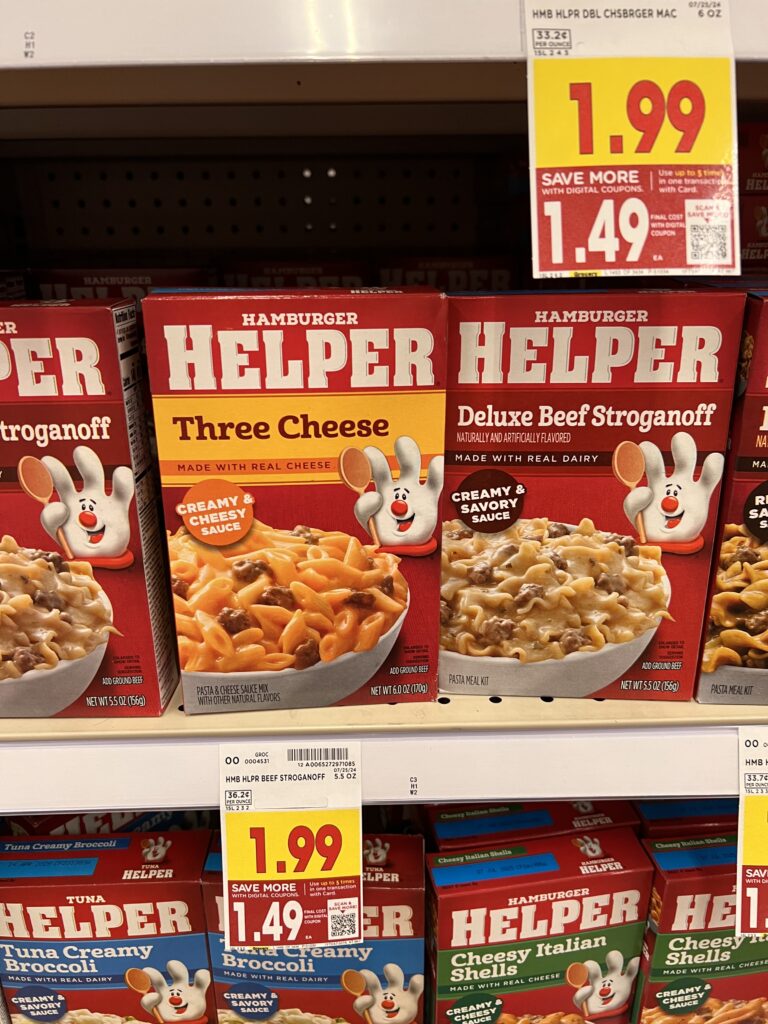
(632, 139)
(291, 844)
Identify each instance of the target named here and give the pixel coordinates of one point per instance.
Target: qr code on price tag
(708, 232)
(343, 918)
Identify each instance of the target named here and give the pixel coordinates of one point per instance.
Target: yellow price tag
(282, 845)
(630, 111)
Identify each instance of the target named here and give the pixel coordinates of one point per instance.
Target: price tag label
(632, 139)
(291, 843)
(752, 877)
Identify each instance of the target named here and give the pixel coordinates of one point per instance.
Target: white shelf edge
(470, 749)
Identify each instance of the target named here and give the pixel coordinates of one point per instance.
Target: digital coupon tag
(632, 129)
(752, 876)
(291, 836)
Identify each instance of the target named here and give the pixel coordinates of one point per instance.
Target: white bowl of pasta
(547, 672)
(319, 685)
(41, 693)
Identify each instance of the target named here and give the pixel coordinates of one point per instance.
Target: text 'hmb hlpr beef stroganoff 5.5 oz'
(85, 628)
(584, 451)
(300, 438)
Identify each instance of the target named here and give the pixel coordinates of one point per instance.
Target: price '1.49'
(631, 218)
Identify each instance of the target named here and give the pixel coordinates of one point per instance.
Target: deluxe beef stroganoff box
(550, 928)
(474, 826)
(584, 447)
(695, 969)
(300, 439)
(734, 665)
(378, 981)
(85, 628)
(104, 929)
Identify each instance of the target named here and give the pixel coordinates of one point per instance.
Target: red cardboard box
(294, 274)
(687, 817)
(694, 966)
(547, 927)
(305, 985)
(104, 928)
(113, 283)
(753, 156)
(300, 442)
(584, 448)
(735, 653)
(90, 635)
(485, 826)
(449, 273)
(95, 823)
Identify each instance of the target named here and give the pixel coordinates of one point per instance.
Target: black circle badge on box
(488, 501)
(755, 516)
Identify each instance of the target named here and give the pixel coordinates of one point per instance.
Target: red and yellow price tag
(752, 876)
(632, 156)
(292, 873)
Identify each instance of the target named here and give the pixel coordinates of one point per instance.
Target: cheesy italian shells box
(377, 981)
(85, 629)
(103, 929)
(734, 665)
(551, 928)
(694, 966)
(584, 448)
(300, 438)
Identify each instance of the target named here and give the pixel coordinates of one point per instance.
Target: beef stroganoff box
(584, 451)
(105, 929)
(734, 664)
(85, 629)
(300, 440)
(549, 930)
(695, 968)
(378, 981)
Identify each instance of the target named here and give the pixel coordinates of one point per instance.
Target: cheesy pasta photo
(300, 438)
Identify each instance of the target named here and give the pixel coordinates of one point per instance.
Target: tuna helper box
(102, 929)
(550, 928)
(86, 625)
(476, 826)
(584, 447)
(379, 981)
(735, 655)
(687, 817)
(695, 968)
(300, 439)
(93, 823)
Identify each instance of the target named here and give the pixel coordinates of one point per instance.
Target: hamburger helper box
(448, 273)
(687, 817)
(102, 929)
(584, 449)
(378, 981)
(294, 274)
(300, 440)
(734, 664)
(113, 283)
(549, 928)
(86, 627)
(694, 967)
(477, 826)
(94, 823)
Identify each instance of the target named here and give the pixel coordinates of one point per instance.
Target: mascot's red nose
(669, 504)
(399, 508)
(87, 519)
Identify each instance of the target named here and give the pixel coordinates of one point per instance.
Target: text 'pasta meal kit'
(300, 438)
(584, 452)
(85, 628)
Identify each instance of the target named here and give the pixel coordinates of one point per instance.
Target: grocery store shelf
(462, 748)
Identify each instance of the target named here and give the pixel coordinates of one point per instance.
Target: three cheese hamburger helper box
(584, 450)
(300, 437)
(549, 928)
(734, 666)
(86, 628)
(378, 981)
(476, 826)
(101, 929)
(694, 967)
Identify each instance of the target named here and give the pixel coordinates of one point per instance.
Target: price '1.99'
(631, 218)
(303, 844)
(647, 108)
